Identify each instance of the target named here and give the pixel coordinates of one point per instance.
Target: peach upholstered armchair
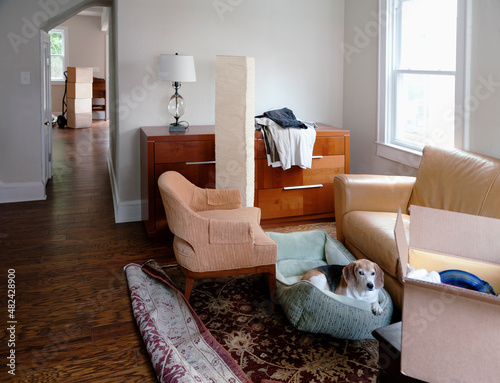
(213, 234)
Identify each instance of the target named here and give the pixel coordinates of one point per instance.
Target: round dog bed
(320, 311)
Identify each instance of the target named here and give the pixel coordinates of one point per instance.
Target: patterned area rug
(179, 345)
(238, 313)
(329, 227)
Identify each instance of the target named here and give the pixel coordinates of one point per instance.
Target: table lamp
(177, 69)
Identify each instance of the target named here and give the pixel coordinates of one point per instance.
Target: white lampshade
(176, 68)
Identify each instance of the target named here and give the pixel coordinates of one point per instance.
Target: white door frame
(46, 109)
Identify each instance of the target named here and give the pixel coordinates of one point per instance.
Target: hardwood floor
(72, 307)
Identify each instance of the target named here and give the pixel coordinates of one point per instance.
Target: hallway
(72, 308)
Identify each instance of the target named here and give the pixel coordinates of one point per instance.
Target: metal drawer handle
(200, 163)
(302, 187)
(317, 157)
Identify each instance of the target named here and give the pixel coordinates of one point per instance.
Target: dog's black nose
(369, 285)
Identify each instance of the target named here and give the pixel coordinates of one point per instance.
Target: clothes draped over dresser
(289, 141)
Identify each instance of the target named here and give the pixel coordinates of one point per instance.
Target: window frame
(388, 42)
(65, 54)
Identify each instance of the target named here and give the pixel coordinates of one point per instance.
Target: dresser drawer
(185, 151)
(279, 192)
(281, 202)
(190, 153)
(323, 171)
(202, 175)
(260, 148)
(327, 146)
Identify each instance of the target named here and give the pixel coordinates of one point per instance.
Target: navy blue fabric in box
(465, 280)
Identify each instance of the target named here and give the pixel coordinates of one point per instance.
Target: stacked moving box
(79, 97)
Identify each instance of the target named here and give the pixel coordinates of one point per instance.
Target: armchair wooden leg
(271, 282)
(270, 270)
(189, 287)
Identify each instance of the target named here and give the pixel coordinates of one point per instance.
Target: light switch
(25, 78)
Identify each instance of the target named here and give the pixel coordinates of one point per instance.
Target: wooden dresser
(283, 196)
(300, 194)
(191, 153)
(99, 92)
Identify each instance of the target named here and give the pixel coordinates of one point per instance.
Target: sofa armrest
(368, 192)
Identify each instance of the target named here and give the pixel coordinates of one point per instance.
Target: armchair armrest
(230, 232)
(230, 226)
(223, 199)
(368, 192)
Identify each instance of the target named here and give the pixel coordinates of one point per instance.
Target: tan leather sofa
(366, 205)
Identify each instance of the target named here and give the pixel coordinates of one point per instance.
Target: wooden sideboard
(300, 194)
(283, 196)
(99, 92)
(191, 153)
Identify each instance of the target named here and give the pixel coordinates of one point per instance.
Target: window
(58, 54)
(420, 83)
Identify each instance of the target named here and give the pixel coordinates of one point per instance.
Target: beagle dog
(360, 279)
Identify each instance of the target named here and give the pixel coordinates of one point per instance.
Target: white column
(235, 126)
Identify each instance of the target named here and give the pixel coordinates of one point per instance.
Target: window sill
(62, 82)
(399, 154)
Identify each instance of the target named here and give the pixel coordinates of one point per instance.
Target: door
(47, 110)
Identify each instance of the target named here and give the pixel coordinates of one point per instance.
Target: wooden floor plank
(113, 330)
(75, 322)
(97, 369)
(73, 309)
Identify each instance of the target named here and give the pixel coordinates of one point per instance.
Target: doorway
(82, 27)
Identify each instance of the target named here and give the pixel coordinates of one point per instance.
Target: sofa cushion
(373, 234)
(456, 180)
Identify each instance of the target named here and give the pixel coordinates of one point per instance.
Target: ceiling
(92, 11)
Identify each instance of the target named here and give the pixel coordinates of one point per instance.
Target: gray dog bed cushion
(320, 311)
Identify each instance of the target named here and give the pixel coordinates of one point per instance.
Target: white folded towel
(423, 275)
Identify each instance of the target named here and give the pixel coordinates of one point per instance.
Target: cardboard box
(79, 105)
(450, 334)
(79, 120)
(80, 74)
(79, 90)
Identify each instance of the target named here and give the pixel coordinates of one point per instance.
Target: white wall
(20, 132)
(299, 64)
(483, 103)
(360, 53)
(360, 85)
(294, 43)
(21, 119)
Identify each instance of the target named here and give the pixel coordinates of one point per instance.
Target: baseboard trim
(22, 192)
(129, 211)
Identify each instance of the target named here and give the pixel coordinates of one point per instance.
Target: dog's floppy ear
(349, 274)
(379, 277)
